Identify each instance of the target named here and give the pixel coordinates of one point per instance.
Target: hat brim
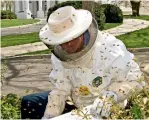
(84, 20)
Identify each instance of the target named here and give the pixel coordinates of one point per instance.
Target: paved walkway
(32, 73)
(23, 30)
(129, 25)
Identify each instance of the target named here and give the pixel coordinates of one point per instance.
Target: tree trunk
(10, 6)
(88, 5)
(56, 2)
(2, 5)
(135, 8)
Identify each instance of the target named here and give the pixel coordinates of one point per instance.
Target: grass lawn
(17, 22)
(137, 39)
(143, 17)
(111, 25)
(107, 26)
(11, 40)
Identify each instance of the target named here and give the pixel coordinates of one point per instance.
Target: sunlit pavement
(31, 74)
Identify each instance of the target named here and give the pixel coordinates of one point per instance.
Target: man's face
(74, 45)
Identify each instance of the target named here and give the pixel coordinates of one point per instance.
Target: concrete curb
(22, 57)
(21, 26)
(144, 49)
(39, 56)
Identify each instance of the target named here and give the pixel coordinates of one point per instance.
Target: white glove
(101, 106)
(46, 117)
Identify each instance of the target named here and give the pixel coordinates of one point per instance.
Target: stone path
(23, 29)
(129, 25)
(32, 73)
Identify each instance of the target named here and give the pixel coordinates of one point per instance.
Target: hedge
(113, 13)
(10, 106)
(7, 14)
(99, 15)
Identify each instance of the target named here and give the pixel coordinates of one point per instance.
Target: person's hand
(101, 106)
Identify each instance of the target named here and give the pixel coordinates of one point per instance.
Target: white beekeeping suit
(107, 59)
(103, 68)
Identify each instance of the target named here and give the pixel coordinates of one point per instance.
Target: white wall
(34, 8)
(144, 10)
(23, 14)
(20, 14)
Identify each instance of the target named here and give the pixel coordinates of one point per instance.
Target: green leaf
(136, 112)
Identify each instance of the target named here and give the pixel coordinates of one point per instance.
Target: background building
(24, 9)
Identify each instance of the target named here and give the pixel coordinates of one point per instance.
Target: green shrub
(10, 107)
(137, 107)
(99, 15)
(113, 13)
(7, 14)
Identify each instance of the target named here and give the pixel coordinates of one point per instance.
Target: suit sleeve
(125, 81)
(61, 88)
(123, 74)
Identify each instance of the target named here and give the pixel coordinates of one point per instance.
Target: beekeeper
(87, 63)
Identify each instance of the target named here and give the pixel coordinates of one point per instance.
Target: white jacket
(108, 66)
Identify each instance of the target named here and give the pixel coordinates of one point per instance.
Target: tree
(88, 5)
(2, 4)
(135, 5)
(7, 4)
